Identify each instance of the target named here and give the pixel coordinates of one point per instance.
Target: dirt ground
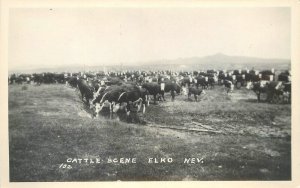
(221, 137)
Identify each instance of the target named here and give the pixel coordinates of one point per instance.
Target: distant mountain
(220, 58)
(220, 61)
(217, 61)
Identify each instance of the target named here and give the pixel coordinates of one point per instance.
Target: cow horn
(101, 107)
(121, 95)
(101, 101)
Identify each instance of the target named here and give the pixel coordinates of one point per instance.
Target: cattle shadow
(191, 99)
(262, 101)
(132, 117)
(249, 100)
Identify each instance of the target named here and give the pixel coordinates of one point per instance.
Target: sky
(43, 37)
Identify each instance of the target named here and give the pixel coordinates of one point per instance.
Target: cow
(114, 81)
(145, 95)
(278, 92)
(187, 81)
(240, 80)
(229, 85)
(86, 91)
(284, 77)
(72, 81)
(273, 89)
(131, 96)
(202, 81)
(119, 97)
(171, 87)
(153, 89)
(258, 88)
(59, 78)
(287, 91)
(195, 91)
(211, 81)
(49, 78)
(108, 98)
(97, 95)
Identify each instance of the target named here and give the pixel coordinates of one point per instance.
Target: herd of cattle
(131, 90)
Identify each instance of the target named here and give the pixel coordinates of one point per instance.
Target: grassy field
(49, 127)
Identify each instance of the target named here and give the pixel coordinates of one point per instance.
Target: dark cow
(195, 91)
(38, 78)
(86, 91)
(277, 92)
(48, 78)
(97, 95)
(273, 89)
(108, 98)
(118, 97)
(211, 81)
(287, 91)
(284, 77)
(145, 95)
(114, 81)
(19, 80)
(72, 81)
(258, 88)
(187, 81)
(240, 80)
(202, 81)
(229, 85)
(59, 78)
(153, 89)
(172, 87)
(132, 96)
(247, 76)
(162, 88)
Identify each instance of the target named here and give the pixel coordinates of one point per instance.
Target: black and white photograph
(149, 93)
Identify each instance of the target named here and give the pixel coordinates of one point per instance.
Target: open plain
(221, 137)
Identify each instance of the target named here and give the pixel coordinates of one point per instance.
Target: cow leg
(127, 107)
(173, 96)
(139, 106)
(270, 98)
(110, 108)
(110, 115)
(154, 96)
(258, 97)
(163, 96)
(144, 108)
(195, 96)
